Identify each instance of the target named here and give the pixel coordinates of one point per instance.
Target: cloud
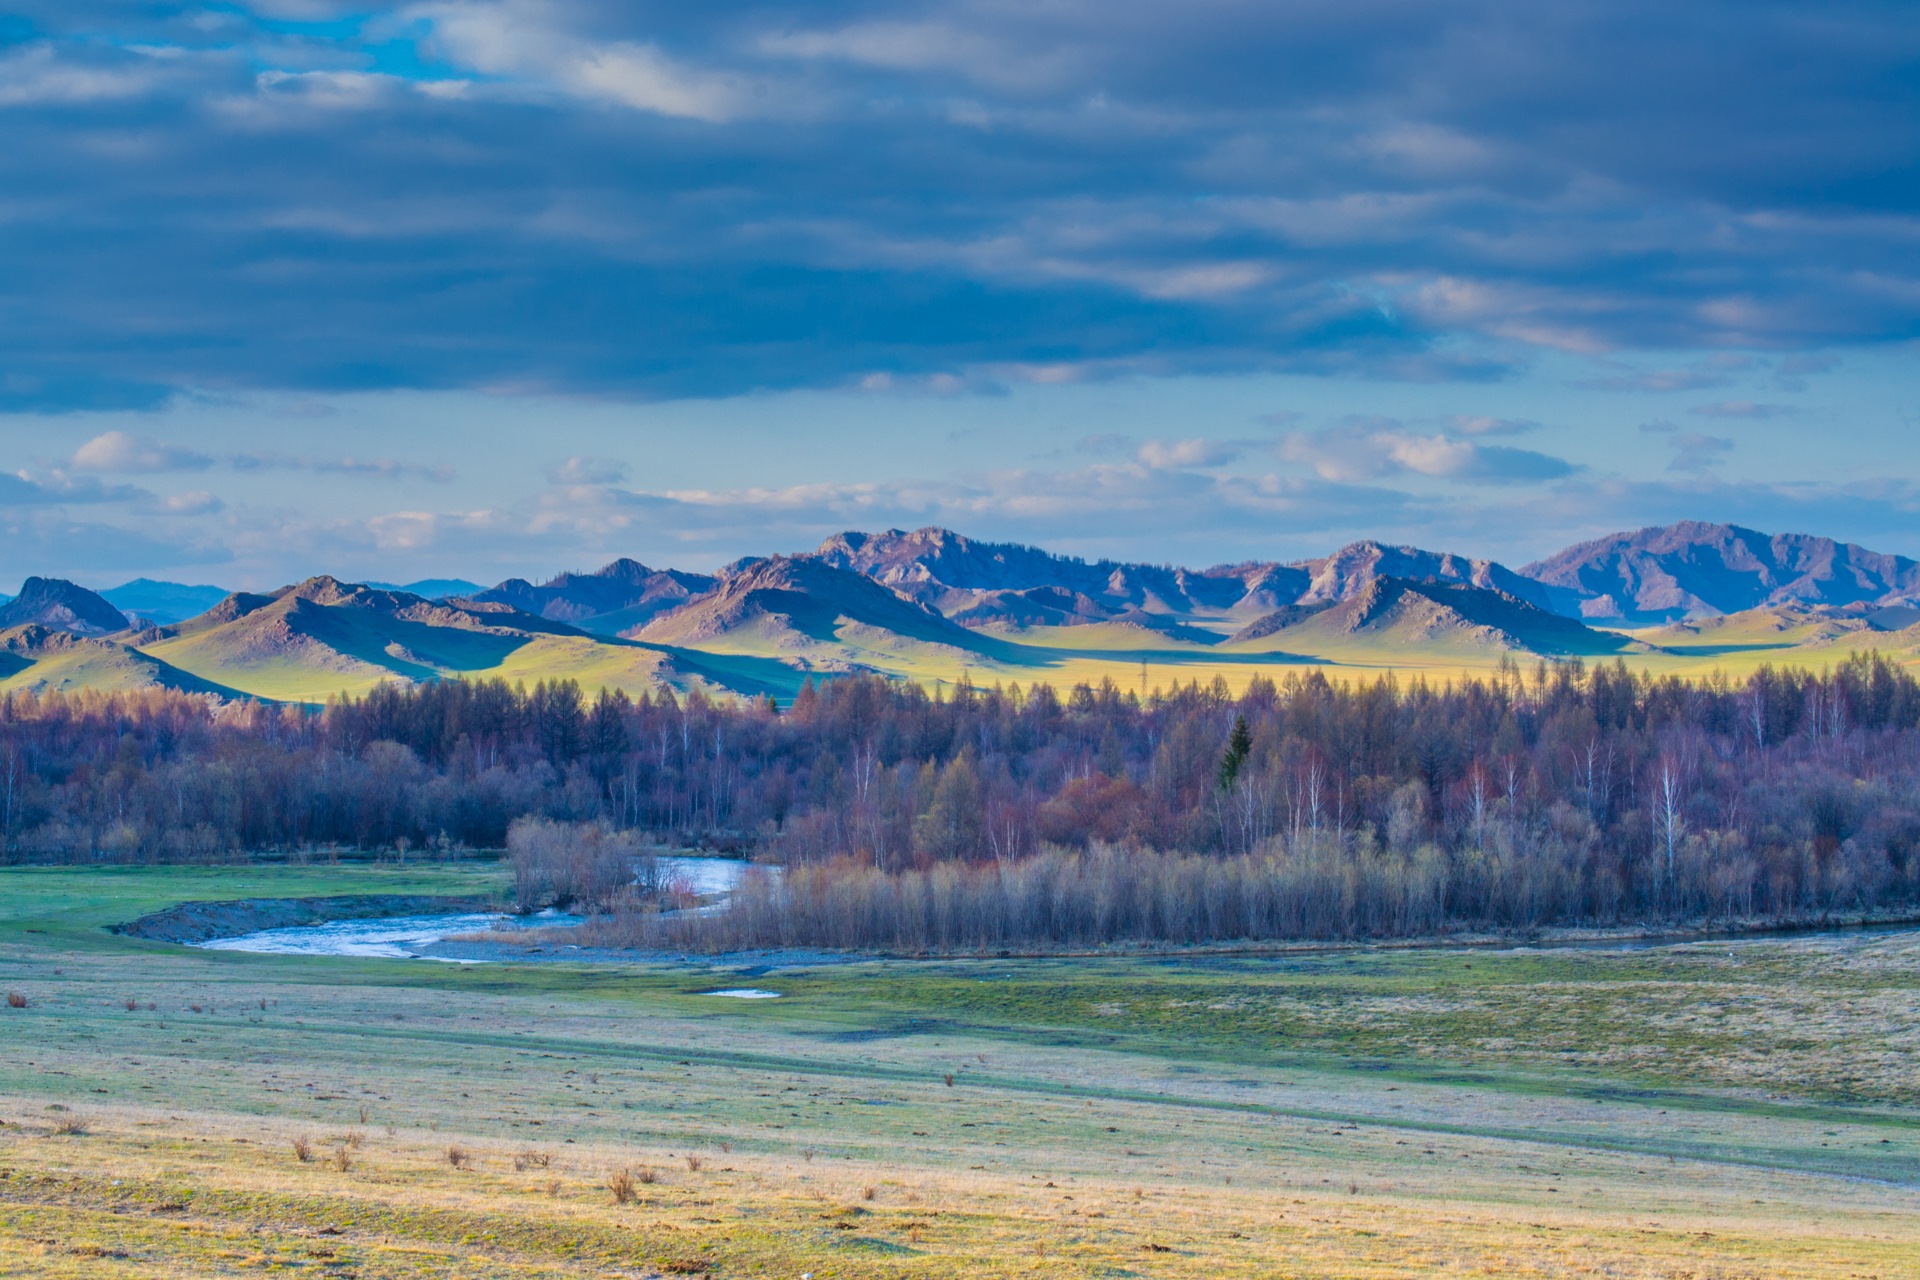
(23, 489)
(1790, 373)
(49, 542)
(525, 40)
(640, 200)
(1371, 449)
(1481, 426)
(117, 451)
(1166, 455)
(1746, 409)
(197, 503)
(1714, 371)
(37, 75)
(376, 468)
(1695, 452)
(583, 470)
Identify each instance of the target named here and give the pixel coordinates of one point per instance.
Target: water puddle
(744, 993)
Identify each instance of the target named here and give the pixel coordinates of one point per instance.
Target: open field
(1715, 1109)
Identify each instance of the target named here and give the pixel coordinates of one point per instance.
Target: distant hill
(983, 582)
(162, 602)
(60, 605)
(432, 588)
(1352, 569)
(934, 606)
(798, 605)
(322, 636)
(1692, 570)
(619, 598)
(976, 583)
(1414, 616)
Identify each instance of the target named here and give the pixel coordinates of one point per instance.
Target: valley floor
(1712, 1109)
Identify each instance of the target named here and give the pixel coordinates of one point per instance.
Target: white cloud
(118, 451)
(1372, 449)
(36, 76)
(197, 503)
(1169, 454)
(525, 39)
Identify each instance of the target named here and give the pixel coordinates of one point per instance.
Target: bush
(586, 864)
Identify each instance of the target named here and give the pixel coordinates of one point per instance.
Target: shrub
(459, 1157)
(585, 864)
(620, 1183)
(16, 1000)
(302, 1150)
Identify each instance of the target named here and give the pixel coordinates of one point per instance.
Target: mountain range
(934, 605)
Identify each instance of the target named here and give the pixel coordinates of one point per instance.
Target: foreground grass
(1372, 1115)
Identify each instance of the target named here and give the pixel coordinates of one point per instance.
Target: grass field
(1710, 1110)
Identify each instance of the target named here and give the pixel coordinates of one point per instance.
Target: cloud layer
(642, 199)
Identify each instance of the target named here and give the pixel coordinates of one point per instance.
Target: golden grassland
(1672, 1111)
(357, 653)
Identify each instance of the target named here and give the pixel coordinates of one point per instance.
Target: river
(406, 937)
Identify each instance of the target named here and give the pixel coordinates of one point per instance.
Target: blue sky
(513, 286)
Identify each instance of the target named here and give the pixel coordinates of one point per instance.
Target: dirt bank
(201, 921)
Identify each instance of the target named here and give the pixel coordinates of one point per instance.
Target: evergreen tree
(1239, 743)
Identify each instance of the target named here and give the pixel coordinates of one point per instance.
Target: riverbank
(196, 922)
(549, 945)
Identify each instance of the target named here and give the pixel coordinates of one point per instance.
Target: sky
(510, 287)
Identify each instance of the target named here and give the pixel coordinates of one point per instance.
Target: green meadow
(1712, 1109)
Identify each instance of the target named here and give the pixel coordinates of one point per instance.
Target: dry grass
(394, 1212)
(1326, 1117)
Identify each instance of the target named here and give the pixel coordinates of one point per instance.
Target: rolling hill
(1418, 616)
(59, 605)
(620, 598)
(933, 606)
(323, 636)
(817, 617)
(41, 659)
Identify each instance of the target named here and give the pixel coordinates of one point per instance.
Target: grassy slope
(1374, 1114)
(101, 665)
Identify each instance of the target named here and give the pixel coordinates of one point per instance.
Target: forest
(1562, 794)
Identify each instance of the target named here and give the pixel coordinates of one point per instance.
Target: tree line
(1564, 793)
